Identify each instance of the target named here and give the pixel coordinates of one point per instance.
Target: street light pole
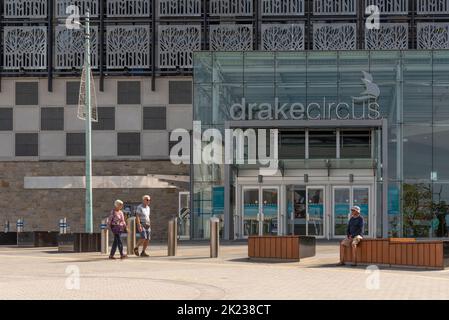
(88, 217)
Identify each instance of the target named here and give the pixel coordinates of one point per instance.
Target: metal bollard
(104, 236)
(6, 226)
(172, 237)
(19, 225)
(131, 239)
(214, 237)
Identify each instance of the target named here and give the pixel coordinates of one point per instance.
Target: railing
(390, 7)
(432, 6)
(334, 7)
(123, 8)
(25, 8)
(231, 7)
(174, 8)
(282, 7)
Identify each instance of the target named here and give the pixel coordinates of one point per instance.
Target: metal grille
(83, 5)
(128, 47)
(432, 6)
(174, 8)
(176, 45)
(25, 47)
(25, 8)
(69, 48)
(282, 7)
(389, 36)
(335, 36)
(390, 6)
(433, 35)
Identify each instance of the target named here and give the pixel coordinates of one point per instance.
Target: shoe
(136, 251)
(112, 257)
(123, 257)
(340, 264)
(143, 254)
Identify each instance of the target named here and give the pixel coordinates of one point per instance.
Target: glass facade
(414, 98)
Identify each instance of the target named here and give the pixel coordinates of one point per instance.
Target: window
(322, 144)
(106, 119)
(26, 144)
(75, 144)
(154, 118)
(6, 119)
(52, 118)
(128, 92)
(27, 93)
(292, 144)
(180, 92)
(355, 144)
(128, 144)
(72, 92)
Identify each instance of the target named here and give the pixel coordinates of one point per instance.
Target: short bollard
(214, 237)
(20, 225)
(104, 236)
(131, 240)
(6, 226)
(172, 237)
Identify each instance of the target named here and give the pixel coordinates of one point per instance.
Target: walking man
(354, 234)
(143, 225)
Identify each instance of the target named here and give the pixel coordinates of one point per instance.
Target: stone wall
(42, 209)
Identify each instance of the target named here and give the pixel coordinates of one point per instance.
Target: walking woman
(117, 224)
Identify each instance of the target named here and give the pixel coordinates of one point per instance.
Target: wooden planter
(79, 242)
(401, 252)
(281, 247)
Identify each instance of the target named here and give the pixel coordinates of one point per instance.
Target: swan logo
(372, 90)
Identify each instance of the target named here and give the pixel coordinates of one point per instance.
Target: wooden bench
(282, 248)
(400, 252)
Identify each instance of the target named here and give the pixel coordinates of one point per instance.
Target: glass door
(250, 211)
(296, 209)
(315, 211)
(342, 207)
(361, 198)
(270, 211)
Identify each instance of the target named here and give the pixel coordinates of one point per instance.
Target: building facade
(143, 65)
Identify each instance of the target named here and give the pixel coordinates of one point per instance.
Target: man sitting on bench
(353, 235)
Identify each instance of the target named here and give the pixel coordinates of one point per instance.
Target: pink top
(116, 218)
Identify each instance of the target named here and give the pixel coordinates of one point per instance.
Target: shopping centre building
(360, 111)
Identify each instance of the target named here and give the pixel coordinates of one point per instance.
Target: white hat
(356, 208)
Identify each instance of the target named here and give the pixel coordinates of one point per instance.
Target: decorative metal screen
(334, 7)
(231, 7)
(231, 37)
(123, 8)
(25, 8)
(335, 36)
(83, 5)
(433, 35)
(174, 8)
(390, 36)
(390, 6)
(282, 7)
(25, 47)
(432, 6)
(176, 45)
(128, 47)
(69, 48)
(282, 37)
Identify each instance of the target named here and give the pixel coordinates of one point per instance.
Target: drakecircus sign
(313, 111)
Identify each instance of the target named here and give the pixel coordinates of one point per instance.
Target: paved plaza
(43, 273)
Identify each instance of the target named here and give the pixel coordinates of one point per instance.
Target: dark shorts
(145, 234)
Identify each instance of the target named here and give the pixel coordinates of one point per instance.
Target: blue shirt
(355, 226)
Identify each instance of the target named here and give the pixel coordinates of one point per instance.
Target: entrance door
(343, 199)
(315, 211)
(260, 211)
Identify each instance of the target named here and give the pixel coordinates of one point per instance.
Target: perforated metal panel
(52, 118)
(432, 6)
(27, 93)
(176, 45)
(128, 46)
(72, 92)
(282, 37)
(106, 119)
(6, 119)
(27, 145)
(128, 144)
(123, 8)
(154, 118)
(390, 6)
(128, 92)
(335, 36)
(231, 37)
(334, 7)
(433, 35)
(83, 5)
(24, 48)
(175, 8)
(70, 48)
(231, 7)
(180, 92)
(25, 8)
(75, 144)
(389, 36)
(282, 7)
